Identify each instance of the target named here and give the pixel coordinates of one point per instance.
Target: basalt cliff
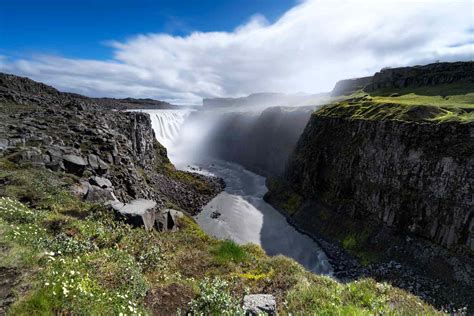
(78, 182)
(389, 176)
(45, 128)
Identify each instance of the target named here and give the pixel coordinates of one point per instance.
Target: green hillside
(67, 256)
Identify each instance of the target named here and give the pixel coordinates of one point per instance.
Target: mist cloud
(308, 49)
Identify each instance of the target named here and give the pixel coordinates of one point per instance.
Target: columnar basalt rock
(114, 154)
(413, 177)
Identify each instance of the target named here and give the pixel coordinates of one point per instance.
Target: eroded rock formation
(44, 128)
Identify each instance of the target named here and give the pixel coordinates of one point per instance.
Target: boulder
(55, 159)
(98, 194)
(215, 215)
(167, 220)
(257, 304)
(32, 156)
(97, 164)
(3, 144)
(140, 212)
(101, 182)
(74, 164)
(81, 189)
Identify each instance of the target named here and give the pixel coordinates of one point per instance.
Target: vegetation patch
(288, 200)
(228, 251)
(188, 178)
(438, 104)
(77, 258)
(215, 299)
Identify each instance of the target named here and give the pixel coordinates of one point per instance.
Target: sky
(182, 51)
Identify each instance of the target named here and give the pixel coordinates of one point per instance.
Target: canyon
(373, 180)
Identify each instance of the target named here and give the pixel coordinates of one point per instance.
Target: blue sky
(79, 28)
(183, 51)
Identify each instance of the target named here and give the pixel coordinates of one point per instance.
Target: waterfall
(167, 125)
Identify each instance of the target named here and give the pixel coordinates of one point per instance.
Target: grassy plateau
(444, 103)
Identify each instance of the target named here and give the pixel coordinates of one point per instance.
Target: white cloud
(308, 49)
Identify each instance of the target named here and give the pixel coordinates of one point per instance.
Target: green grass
(446, 95)
(76, 258)
(367, 108)
(438, 104)
(356, 243)
(185, 177)
(228, 251)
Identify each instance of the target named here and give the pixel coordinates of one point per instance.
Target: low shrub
(214, 299)
(13, 211)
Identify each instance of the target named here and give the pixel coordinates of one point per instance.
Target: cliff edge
(391, 178)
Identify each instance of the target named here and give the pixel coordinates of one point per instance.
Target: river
(240, 213)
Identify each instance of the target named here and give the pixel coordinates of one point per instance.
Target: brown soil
(163, 301)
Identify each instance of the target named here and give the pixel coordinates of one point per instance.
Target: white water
(245, 216)
(167, 124)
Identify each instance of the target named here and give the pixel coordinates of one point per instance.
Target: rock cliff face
(413, 177)
(387, 191)
(409, 77)
(112, 154)
(349, 86)
(418, 76)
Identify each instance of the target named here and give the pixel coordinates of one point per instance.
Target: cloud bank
(308, 49)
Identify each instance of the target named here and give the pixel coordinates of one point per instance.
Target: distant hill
(263, 100)
(409, 77)
(23, 90)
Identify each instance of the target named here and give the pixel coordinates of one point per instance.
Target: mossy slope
(438, 104)
(75, 258)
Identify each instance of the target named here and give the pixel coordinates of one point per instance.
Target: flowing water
(167, 124)
(244, 215)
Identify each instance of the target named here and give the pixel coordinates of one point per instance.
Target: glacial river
(244, 216)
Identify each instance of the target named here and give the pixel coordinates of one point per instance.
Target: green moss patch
(288, 200)
(228, 251)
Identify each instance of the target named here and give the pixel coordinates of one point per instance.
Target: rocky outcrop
(139, 212)
(409, 77)
(416, 178)
(349, 86)
(9, 279)
(259, 304)
(113, 154)
(427, 75)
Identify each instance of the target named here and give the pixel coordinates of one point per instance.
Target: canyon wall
(261, 142)
(413, 177)
(260, 101)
